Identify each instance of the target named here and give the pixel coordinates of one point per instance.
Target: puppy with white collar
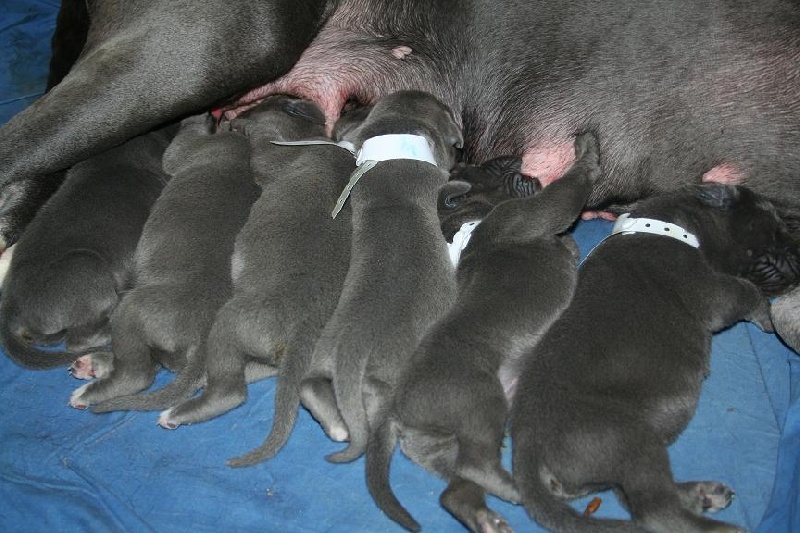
(515, 277)
(400, 278)
(617, 378)
(289, 263)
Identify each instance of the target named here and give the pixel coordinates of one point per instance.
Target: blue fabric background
(66, 470)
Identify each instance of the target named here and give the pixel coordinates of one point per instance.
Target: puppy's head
(282, 118)
(474, 190)
(416, 113)
(741, 233)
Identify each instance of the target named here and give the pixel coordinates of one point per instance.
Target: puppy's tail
(23, 352)
(184, 385)
(378, 459)
(348, 382)
(554, 513)
(294, 366)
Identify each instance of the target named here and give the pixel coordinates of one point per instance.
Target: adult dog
(698, 91)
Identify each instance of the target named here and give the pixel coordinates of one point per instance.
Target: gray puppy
(515, 277)
(182, 272)
(75, 259)
(400, 279)
(474, 190)
(289, 264)
(617, 377)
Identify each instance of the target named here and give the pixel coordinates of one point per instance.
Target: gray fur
(68, 272)
(474, 190)
(182, 273)
(604, 392)
(515, 277)
(400, 279)
(289, 263)
(673, 89)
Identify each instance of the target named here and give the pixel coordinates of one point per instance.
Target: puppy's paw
(706, 496)
(95, 365)
(715, 496)
(77, 401)
(489, 521)
(165, 420)
(337, 433)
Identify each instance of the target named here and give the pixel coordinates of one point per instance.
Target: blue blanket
(67, 470)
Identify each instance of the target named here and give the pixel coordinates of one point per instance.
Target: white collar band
(626, 225)
(384, 148)
(461, 240)
(347, 145)
(395, 146)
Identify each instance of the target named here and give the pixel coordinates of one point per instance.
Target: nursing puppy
(182, 266)
(474, 190)
(400, 279)
(68, 271)
(289, 264)
(515, 277)
(604, 392)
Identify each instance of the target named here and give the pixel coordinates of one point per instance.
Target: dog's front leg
(145, 63)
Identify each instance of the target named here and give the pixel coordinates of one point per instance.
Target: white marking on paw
(165, 422)
(338, 434)
(82, 368)
(75, 399)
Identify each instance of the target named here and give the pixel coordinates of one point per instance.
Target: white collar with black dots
(626, 225)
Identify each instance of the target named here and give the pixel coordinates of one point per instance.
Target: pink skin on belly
(724, 173)
(549, 161)
(330, 87)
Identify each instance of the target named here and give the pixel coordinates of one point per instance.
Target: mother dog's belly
(659, 125)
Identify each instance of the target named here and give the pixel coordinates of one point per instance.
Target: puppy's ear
(453, 193)
(717, 195)
(518, 185)
(307, 110)
(502, 165)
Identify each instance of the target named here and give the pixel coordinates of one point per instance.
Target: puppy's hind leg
(480, 434)
(466, 501)
(133, 369)
(655, 501)
(319, 398)
(225, 370)
(479, 461)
